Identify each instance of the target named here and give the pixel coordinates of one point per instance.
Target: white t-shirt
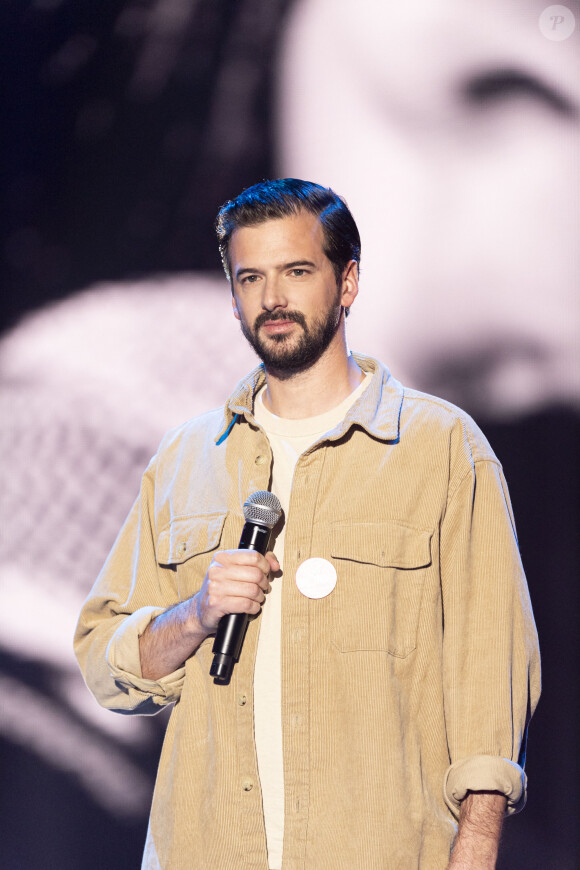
(288, 440)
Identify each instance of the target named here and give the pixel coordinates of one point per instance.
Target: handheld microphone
(262, 510)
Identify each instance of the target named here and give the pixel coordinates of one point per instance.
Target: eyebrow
(295, 264)
(493, 84)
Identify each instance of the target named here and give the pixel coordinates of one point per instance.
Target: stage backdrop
(453, 131)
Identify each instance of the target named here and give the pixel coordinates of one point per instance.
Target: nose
(273, 295)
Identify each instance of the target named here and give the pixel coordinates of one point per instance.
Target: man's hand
(480, 821)
(236, 582)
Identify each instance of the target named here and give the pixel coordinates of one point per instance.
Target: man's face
(462, 171)
(284, 292)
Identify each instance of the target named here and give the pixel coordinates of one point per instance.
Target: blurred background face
(451, 127)
(461, 170)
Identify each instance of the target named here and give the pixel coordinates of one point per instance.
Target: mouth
(278, 324)
(278, 327)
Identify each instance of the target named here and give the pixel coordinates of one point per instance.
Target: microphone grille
(262, 508)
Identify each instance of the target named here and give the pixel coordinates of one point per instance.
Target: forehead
(278, 241)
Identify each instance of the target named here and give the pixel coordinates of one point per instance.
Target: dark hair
(285, 197)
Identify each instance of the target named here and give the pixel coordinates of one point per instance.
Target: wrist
(194, 626)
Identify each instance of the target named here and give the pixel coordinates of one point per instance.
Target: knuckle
(252, 579)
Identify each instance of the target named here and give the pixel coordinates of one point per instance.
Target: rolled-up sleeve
(485, 773)
(124, 659)
(491, 674)
(130, 591)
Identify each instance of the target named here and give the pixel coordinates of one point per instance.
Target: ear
(235, 307)
(349, 284)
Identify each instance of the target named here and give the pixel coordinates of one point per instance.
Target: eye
(494, 86)
(249, 279)
(298, 273)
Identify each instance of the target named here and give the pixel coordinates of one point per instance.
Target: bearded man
(377, 715)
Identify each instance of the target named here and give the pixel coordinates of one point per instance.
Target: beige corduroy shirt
(408, 685)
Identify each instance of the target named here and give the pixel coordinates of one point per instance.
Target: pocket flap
(386, 544)
(189, 536)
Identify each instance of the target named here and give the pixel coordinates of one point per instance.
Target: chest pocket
(187, 545)
(381, 572)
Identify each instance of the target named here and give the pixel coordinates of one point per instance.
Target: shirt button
(260, 460)
(242, 700)
(247, 784)
(182, 548)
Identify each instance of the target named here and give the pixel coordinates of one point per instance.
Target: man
(363, 718)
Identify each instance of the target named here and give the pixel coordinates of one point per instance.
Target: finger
(272, 561)
(209, 616)
(243, 557)
(224, 587)
(241, 605)
(256, 570)
(233, 604)
(238, 573)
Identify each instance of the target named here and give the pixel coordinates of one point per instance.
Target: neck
(316, 390)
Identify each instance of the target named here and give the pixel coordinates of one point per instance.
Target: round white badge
(316, 577)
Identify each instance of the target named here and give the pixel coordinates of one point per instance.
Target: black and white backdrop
(452, 128)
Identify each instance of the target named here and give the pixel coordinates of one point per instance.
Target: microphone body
(262, 511)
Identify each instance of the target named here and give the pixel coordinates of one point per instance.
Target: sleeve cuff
(485, 773)
(125, 663)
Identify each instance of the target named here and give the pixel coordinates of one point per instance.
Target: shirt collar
(377, 410)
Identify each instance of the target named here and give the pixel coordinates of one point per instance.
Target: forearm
(480, 822)
(235, 582)
(170, 639)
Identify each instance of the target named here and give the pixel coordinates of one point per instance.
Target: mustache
(268, 317)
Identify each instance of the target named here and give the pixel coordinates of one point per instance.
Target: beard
(288, 355)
